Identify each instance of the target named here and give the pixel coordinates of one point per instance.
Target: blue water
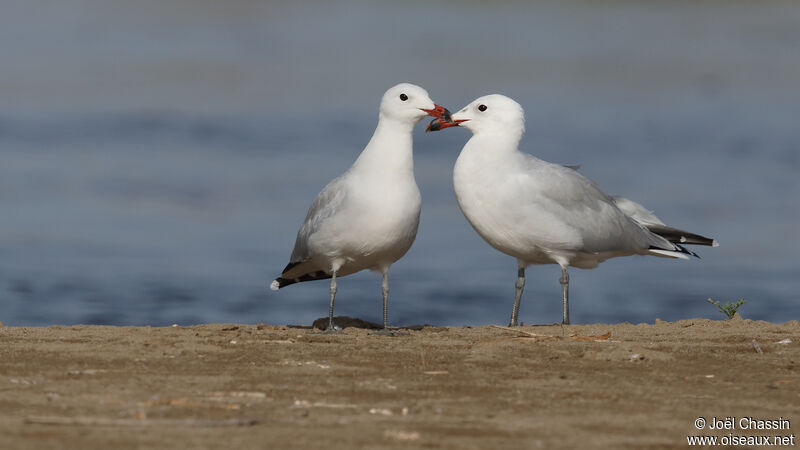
(157, 159)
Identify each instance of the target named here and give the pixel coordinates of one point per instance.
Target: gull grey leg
(385, 290)
(333, 295)
(564, 280)
(520, 285)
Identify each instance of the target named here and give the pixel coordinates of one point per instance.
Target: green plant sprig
(729, 309)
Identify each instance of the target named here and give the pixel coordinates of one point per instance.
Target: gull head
(407, 102)
(490, 114)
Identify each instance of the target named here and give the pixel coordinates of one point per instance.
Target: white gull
(543, 213)
(367, 218)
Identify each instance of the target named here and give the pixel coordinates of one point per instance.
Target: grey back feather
(327, 204)
(645, 217)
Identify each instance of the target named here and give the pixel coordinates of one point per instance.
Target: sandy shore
(247, 386)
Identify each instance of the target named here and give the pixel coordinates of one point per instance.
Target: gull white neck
(390, 149)
(494, 143)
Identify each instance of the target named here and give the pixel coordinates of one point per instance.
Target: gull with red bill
(543, 213)
(367, 218)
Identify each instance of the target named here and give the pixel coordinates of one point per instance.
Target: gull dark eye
(403, 97)
(482, 108)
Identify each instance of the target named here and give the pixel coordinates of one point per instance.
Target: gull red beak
(440, 123)
(437, 111)
(442, 118)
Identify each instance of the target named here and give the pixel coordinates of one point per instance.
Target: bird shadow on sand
(342, 322)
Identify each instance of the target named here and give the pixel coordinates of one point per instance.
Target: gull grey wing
(645, 217)
(636, 211)
(326, 205)
(581, 205)
(301, 265)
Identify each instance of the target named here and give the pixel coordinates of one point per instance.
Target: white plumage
(367, 218)
(543, 213)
